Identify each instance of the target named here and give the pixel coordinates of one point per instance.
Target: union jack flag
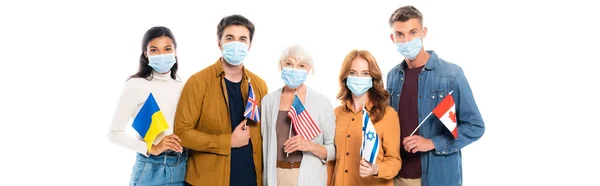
(302, 123)
(252, 112)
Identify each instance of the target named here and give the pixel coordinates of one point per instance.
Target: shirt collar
(221, 72)
(350, 105)
(159, 76)
(431, 62)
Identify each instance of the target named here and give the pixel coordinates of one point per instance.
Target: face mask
(359, 85)
(161, 63)
(410, 49)
(292, 77)
(235, 52)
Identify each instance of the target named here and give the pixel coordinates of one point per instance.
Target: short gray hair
(298, 52)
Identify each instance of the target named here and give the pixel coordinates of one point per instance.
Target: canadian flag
(446, 112)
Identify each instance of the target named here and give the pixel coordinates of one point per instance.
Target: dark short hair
(144, 70)
(235, 20)
(405, 13)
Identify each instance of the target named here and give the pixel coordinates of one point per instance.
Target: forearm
(319, 151)
(470, 125)
(392, 162)
(200, 141)
(123, 113)
(445, 144)
(389, 168)
(122, 139)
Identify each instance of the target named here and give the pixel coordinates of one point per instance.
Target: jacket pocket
(437, 94)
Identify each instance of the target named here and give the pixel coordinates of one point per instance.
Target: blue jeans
(168, 168)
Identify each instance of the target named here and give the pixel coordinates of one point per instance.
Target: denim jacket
(442, 165)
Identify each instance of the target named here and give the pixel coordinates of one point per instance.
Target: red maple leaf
(452, 116)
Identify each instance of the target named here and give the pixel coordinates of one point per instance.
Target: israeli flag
(370, 140)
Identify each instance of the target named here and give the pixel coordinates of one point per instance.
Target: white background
(531, 65)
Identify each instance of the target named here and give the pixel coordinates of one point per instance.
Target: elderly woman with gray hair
(297, 126)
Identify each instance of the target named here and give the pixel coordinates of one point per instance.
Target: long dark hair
(145, 71)
(377, 94)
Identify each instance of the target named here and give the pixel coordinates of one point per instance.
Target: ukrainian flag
(150, 121)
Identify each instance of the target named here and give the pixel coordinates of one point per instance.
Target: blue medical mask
(359, 85)
(292, 77)
(235, 52)
(161, 63)
(410, 49)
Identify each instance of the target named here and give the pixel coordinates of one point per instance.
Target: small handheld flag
(302, 123)
(445, 111)
(150, 122)
(370, 139)
(252, 111)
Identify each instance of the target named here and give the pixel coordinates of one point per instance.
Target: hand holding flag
(367, 169)
(446, 113)
(240, 137)
(370, 139)
(252, 111)
(149, 122)
(302, 123)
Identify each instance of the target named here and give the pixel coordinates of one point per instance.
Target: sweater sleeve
(124, 112)
(328, 130)
(187, 116)
(392, 162)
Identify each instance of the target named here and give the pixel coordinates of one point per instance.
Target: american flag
(252, 112)
(302, 123)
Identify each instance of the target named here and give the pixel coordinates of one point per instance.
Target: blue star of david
(370, 135)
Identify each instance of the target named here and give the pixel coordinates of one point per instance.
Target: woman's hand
(367, 169)
(170, 142)
(297, 143)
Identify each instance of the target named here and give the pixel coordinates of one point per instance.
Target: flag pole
(289, 136)
(246, 124)
(291, 125)
(449, 93)
(421, 123)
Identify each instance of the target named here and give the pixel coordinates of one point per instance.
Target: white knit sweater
(165, 90)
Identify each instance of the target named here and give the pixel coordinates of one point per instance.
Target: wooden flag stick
(421, 123)
(291, 123)
(245, 124)
(289, 136)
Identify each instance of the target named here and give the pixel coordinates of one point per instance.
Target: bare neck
(232, 73)
(419, 61)
(359, 101)
(300, 90)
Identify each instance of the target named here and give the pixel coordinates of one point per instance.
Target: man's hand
(416, 143)
(240, 136)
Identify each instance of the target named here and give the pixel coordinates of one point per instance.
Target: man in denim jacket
(432, 156)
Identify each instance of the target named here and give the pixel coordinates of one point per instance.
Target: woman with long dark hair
(164, 161)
